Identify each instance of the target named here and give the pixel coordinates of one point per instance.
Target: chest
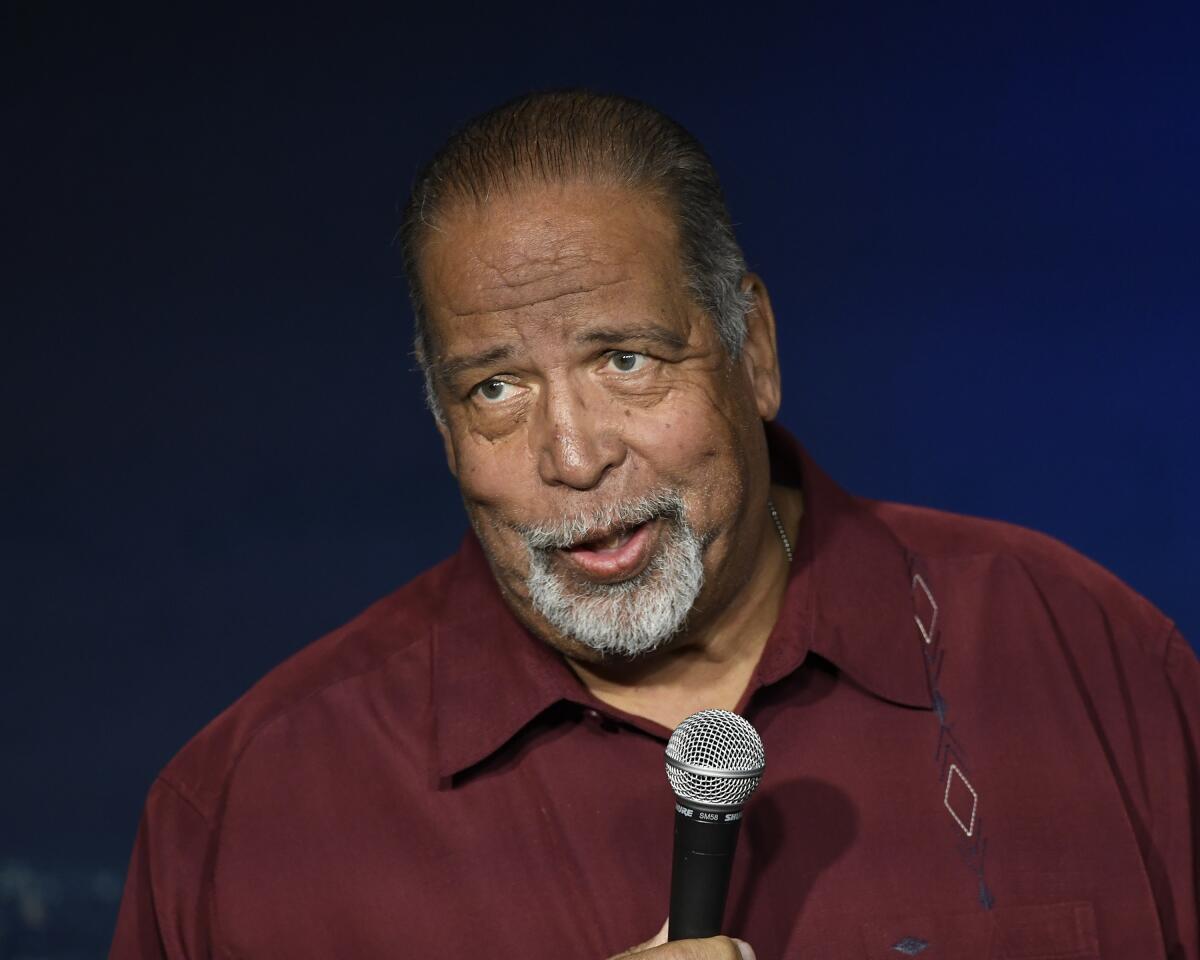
(874, 826)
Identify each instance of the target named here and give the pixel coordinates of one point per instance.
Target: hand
(711, 948)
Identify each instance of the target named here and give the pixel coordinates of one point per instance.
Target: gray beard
(635, 616)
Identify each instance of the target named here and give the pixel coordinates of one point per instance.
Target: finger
(659, 938)
(655, 941)
(730, 947)
(711, 948)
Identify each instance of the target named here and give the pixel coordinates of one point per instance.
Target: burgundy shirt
(979, 744)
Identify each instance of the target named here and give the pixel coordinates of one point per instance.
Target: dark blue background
(978, 224)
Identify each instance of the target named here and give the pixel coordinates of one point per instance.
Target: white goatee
(635, 616)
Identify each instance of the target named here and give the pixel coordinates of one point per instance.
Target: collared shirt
(979, 744)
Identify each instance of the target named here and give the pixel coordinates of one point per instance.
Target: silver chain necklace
(783, 537)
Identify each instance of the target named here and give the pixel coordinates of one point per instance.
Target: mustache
(585, 525)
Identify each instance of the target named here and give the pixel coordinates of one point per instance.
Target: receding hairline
(477, 210)
(457, 201)
(556, 137)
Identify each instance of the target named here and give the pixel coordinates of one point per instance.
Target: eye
(626, 362)
(494, 391)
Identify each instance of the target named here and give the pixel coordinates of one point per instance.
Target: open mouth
(607, 542)
(616, 554)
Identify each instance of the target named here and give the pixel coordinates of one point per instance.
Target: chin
(591, 656)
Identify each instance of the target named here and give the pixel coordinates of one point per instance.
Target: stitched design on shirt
(949, 753)
(926, 632)
(910, 946)
(954, 771)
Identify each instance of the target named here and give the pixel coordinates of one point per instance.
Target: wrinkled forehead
(531, 247)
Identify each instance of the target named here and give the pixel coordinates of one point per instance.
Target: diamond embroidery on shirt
(950, 754)
(968, 829)
(910, 946)
(926, 632)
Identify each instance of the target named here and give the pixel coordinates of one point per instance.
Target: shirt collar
(848, 600)
(490, 675)
(849, 597)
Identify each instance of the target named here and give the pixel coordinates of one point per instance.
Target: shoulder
(386, 643)
(1061, 579)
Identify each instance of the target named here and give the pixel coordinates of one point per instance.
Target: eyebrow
(450, 369)
(650, 332)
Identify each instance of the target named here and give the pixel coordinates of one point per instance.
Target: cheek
(673, 445)
(683, 438)
(496, 489)
(494, 474)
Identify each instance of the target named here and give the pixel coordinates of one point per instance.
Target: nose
(575, 443)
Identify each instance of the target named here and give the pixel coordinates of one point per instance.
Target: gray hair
(557, 137)
(633, 617)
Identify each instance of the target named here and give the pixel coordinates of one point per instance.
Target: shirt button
(601, 720)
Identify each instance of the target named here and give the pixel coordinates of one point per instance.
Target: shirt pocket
(1054, 931)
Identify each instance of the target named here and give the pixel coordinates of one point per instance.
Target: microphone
(714, 761)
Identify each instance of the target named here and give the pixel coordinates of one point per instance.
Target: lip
(620, 563)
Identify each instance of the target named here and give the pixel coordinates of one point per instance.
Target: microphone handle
(700, 870)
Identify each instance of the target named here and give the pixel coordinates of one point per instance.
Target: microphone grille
(715, 758)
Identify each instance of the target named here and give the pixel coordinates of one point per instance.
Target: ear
(759, 357)
(448, 444)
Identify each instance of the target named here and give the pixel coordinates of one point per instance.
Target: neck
(713, 666)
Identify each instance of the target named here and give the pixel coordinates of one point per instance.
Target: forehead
(545, 244)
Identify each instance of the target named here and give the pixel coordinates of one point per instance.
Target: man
(979, 744)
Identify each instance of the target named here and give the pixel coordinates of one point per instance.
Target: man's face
(606, 446)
